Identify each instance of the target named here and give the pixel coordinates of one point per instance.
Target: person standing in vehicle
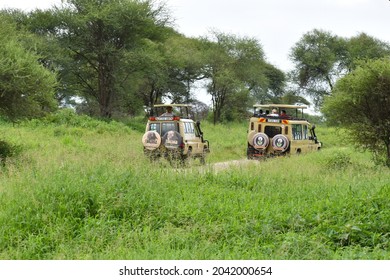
(274, 113)
(169, 112)
(284, 115)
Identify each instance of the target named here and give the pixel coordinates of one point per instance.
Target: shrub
(7, 150)
(339, 160)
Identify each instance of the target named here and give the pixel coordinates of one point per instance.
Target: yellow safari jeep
(174, 135)
(280, 129)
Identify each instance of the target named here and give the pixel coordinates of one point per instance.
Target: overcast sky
(276, 24)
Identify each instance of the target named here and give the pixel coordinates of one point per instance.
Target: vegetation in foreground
(81, 189)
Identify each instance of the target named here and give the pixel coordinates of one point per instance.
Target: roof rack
(172, 105)
(279, 107)
(182, 109)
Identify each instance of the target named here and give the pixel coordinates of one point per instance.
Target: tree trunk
(105, 87)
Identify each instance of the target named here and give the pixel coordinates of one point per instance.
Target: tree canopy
(26, 87)
(101, 38)
(117, 57)
(321, 58)
(236, 70)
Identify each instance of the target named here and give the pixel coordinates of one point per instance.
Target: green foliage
(235, 68)
(363, 47)
(100, 41)
(121, 55)
(8, 150)
(321, 58)
(169, 69)
(359, 104)
(338, 160)
(315, 57)
(276, 80)
(69, 197)
(186, 60)
(67, 122)
(26, 87)
(136, 123)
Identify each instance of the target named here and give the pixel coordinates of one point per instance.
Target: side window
(189, 128)
(271, 131)
(297, 131)
(305, 132)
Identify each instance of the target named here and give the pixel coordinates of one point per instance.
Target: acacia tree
(316, 60)
(275, 86)
(321, 58)
(235, 67)
(186, 62)
(361, 103)
(26, 87)
(101, 37)
(363, 47)
(170, 69)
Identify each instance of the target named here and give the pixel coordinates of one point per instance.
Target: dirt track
(219, 166)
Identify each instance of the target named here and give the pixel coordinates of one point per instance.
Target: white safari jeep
(174, 135)
(277, 129)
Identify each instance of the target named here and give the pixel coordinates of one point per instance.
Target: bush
(68, 118)
(339, 160)
(7, 150)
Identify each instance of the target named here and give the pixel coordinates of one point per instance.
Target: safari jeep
(174, 135)
(277, 129)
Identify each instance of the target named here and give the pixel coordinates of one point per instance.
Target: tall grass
(81, 189)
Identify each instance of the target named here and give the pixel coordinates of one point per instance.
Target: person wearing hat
(274, 113)
(168, 113)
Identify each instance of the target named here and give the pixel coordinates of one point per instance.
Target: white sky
(276, 24)
(279, 24)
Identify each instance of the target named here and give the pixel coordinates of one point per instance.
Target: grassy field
(78, 188)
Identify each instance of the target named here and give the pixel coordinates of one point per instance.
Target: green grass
(81, 189)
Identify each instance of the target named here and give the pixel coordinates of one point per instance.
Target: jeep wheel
(249, 152)
(188, 157)
(153, 156)
(175, 159)
(202, 158)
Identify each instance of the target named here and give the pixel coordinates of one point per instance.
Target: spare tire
(280, 143)
(172, 140)
(151, 140)
(260, 141)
